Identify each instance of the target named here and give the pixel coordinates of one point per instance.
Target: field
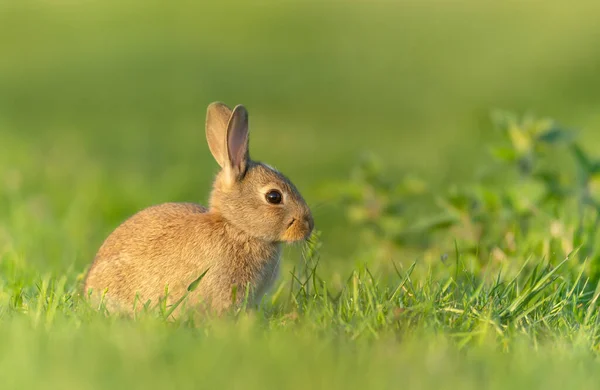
(447, 149)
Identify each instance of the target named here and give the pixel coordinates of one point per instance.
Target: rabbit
(235, 242)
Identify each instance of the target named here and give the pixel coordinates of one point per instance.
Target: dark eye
(274, 197)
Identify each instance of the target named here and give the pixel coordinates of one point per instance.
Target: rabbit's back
(172, 244)
(146, 253)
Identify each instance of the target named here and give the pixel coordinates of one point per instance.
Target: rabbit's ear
(217, 118)
(237, 143)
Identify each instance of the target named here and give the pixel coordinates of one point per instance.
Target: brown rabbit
(236, 241)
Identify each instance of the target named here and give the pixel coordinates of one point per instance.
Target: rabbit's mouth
(297, 230)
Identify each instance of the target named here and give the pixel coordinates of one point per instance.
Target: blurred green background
(102, 104)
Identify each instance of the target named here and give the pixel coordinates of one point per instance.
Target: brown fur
(237, 239)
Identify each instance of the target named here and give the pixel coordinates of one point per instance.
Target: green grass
(437, 264)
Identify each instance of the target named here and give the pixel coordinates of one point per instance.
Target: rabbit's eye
(274, 197)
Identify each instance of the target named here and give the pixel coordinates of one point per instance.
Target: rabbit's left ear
(217, 119)
(238, 155)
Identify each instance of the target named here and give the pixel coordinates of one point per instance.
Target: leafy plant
(539, 196)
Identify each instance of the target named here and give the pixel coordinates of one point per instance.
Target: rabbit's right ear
(217, 119)
(237, 144)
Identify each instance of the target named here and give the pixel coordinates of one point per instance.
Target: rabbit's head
(251, 195)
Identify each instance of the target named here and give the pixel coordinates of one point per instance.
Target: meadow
(448, 151)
